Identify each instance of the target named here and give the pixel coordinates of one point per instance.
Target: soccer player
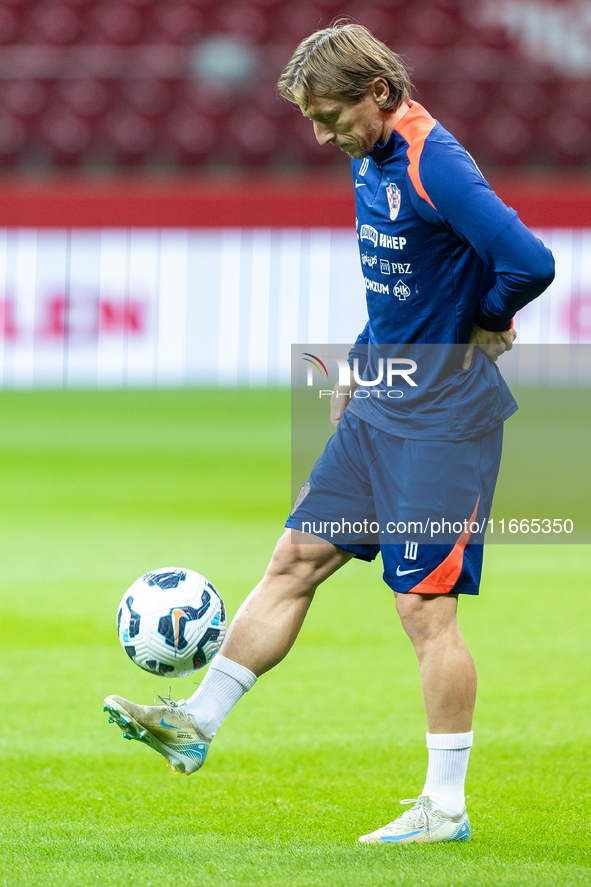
(445, 263)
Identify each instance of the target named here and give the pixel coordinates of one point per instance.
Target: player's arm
(340, 400)
(341, 395)
(460, 197)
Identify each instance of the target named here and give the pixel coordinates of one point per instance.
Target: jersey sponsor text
(369, 233)
(371, 261)
(388, 241)
(401, 290)
(376, 287)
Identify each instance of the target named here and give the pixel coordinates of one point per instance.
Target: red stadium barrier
(251, 203)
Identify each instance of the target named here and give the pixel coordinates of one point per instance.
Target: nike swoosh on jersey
(360, 184)
(400, 572)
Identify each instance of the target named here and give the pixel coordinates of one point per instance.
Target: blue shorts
(423, 503)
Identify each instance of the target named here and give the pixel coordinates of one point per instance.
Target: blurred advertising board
(104, 289)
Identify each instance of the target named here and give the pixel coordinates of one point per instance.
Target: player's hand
(339, 401)
(493, 344)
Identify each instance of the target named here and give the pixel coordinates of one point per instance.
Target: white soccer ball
(171, 622)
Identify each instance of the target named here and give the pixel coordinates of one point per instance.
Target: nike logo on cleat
(389, 839)
(164, 724)
(400, 572)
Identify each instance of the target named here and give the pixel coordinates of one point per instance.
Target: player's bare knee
(307, 561)
(426, 617)
(413, 617)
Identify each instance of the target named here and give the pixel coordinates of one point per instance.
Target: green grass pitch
(98, 488)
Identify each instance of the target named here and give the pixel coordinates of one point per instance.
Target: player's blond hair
(345, 58)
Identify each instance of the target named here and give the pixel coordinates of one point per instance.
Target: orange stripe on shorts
(443, 578)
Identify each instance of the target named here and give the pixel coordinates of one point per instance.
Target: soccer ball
(171, 622)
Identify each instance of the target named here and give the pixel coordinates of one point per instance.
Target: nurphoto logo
(387, 368)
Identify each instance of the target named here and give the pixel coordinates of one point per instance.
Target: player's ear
(380, 91)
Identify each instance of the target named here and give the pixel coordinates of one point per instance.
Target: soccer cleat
(423, 823)
(167, 728)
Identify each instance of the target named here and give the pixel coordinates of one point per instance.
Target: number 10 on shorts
(410, 551)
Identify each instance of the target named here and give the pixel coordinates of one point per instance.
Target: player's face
(354, 127)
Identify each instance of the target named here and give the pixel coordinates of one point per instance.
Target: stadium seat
(381, 21)
(530, 99)
(211, 103)
(568, 139)
(431, 25)
(136, 81)
(9, 25)
(296, 20)
(56, 23)
(254, 136)
(115, 22)
(13, 137)
(148, 97)
(66, 135)
(575, 94)
(193, 137)
(24, 98)
(240, 19)
(88, 98)
(130, 136)
(505, 139)
(177, 22)
(459, 99)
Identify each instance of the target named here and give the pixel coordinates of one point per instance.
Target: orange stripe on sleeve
(414, 128)
(443, 578)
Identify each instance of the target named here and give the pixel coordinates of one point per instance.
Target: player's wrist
(493, 325)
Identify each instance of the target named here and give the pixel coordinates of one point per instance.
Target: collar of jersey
(381, 153)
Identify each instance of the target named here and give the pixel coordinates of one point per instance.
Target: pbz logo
(400, 290)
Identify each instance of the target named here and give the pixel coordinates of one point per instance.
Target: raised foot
(168, 729)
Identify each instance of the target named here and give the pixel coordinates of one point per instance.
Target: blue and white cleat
(423, 823)
(167, 728)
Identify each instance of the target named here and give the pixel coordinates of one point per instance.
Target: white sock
(446, 773)
(224, 684)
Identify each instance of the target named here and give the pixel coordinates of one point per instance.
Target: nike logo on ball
(400, 572)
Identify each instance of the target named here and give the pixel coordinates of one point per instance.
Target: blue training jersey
(439, 252)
